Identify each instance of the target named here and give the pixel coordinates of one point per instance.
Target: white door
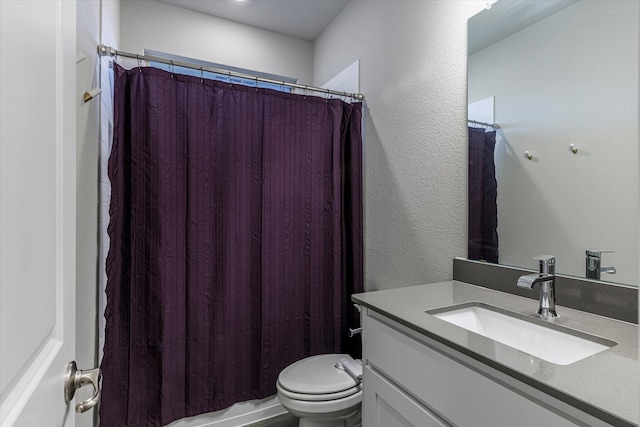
(37, 209)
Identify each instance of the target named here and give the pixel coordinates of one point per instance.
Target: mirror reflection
(559, 173)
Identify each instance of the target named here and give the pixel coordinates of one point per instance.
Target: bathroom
(412, 58)
(402, 172)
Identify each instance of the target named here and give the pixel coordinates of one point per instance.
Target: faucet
(547, 280)
(594, 269)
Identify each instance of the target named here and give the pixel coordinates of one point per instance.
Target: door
(37, 209)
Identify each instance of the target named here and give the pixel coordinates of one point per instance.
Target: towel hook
(573, 148)
(528, 155)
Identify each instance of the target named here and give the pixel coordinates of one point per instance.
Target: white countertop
(606, 384)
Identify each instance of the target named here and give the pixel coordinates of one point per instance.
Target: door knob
(75, 378)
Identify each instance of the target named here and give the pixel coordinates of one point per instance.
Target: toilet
(320, 392)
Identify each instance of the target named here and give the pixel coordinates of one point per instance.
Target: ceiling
(504, 18)
(304, 19)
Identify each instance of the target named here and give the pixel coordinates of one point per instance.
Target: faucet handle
(547, 263)
(598, 253)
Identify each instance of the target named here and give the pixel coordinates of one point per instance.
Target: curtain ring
(229, 78)
(306, 89)
(114, 61)
(201, 75)
(256, 83)
(138, 59)
(282, 86)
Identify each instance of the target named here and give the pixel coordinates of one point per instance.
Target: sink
(547, 341)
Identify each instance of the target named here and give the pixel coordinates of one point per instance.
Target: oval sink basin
(553, 343)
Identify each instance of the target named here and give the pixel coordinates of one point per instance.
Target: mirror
(560, 78)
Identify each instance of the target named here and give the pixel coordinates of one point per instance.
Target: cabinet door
(384, 405)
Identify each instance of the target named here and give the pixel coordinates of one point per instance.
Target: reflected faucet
(547, 280)
(594, 268)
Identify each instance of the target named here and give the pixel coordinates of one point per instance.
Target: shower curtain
(236, 242)
(483, 192)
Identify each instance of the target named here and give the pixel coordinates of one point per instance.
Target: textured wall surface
(148, 24)
(413, 74)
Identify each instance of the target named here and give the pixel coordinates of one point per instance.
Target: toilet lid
(317, 375)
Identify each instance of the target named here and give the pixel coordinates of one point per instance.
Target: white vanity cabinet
(412, 380)
(386, 404)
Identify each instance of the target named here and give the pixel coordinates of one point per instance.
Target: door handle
(75, 378)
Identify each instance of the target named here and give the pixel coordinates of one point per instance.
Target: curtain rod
(109, 51)
(491, 125)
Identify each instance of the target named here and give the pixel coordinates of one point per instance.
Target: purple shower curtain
(236, 242)
(483, 192)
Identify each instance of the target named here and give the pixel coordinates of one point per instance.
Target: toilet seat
(344, 407)
(317, 397)
(316, 379)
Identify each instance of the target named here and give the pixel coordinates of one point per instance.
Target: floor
(286, 420)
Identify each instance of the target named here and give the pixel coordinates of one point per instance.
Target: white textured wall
(413, 74)
(570, 78)
(148, 24)
(87, 161)
(92, 16)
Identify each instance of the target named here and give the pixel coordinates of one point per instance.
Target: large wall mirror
(560, 79)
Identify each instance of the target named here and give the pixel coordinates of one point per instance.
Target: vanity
(422, 370)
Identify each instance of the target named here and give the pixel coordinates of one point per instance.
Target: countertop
(605, 385)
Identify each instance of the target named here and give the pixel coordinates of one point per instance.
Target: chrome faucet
(594, 268)
(547, 280)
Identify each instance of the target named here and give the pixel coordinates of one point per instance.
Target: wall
(148, 24)
(413, 74)
(87, 129)
(96, 20)
(570, 78)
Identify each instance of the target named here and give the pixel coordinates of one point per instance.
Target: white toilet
(320, 393)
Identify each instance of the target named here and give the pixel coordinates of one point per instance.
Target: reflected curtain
(483, 191)
(236, 242)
